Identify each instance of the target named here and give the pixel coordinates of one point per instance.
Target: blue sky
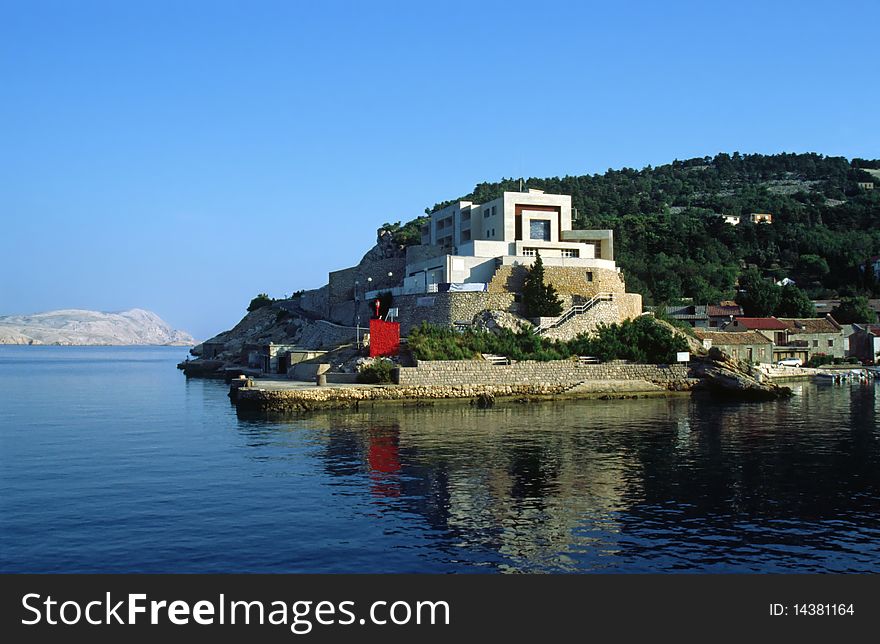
(184, 156)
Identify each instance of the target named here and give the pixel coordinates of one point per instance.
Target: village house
(275, 358)
(749, 346)
(694, 315)
(823, 336)
(864, 343)
(733, 220)
(796, 337)
(866, 185)
(722, 313)
(761, 218)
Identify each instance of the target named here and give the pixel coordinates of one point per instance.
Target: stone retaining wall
(557, 373)
(447, 308)
(567, 280)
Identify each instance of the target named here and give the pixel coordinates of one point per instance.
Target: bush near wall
(377, 372)
(640, 340)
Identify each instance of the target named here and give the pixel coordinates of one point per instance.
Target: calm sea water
(112, 461)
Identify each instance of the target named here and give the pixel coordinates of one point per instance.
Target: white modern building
(465, 243)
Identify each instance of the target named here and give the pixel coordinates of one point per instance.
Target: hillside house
(761, 218)
(824, 307)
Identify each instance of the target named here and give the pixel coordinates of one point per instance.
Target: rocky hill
(79, 327)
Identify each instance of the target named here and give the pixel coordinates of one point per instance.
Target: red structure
(384, 338)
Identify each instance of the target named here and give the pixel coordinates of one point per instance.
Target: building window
(815, 343)
(831, 343)
(571, 252)
(493, 211)
(539, 229)
(486, 213)
(589, 276)
(530, 252)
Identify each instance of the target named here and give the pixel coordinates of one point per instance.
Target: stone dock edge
(329, 397)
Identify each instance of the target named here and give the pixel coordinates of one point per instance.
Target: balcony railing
(802, 344)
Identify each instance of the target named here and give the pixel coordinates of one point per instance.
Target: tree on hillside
(854, 310)
(759, 297)
(794, 303)
(259, 302)
(812, 267)
(539, 297)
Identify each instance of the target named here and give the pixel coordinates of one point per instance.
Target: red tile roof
(769, 324)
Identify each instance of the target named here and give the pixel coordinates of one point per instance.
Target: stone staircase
(578, 309)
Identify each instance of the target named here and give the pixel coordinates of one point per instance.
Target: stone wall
(567, 280)
(555, 373)
(447, 308)
(342, 282)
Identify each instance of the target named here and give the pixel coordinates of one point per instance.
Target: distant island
(79, 327)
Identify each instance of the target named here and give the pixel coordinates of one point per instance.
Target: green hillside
(672, 242)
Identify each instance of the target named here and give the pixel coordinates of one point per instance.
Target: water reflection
(638, 485)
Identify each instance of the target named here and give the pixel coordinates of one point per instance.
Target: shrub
(259, 302)
(377, 372)
(639, 340)
(819, 359)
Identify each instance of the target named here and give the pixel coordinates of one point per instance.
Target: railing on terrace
(578, 309)
(793, 343)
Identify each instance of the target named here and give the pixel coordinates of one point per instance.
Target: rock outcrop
(494, 321)
(722, 375)
(284, 322)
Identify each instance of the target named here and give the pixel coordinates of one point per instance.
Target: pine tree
(540, 298)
